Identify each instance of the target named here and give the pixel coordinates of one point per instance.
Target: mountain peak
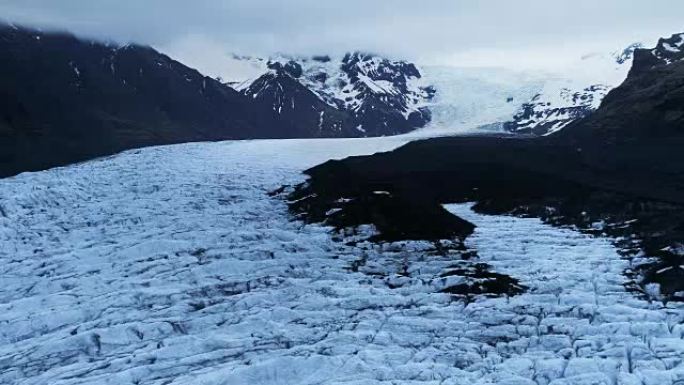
(667, 51)
(380, 96)
(670, 49)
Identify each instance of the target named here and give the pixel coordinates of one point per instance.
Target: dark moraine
(618, 172)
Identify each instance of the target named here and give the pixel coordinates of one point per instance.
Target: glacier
(471, 100)
(176, 265)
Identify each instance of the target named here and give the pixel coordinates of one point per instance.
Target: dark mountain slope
(648, 106)
(298, 106)
(635, 139)
(667, 51)
(358, 95)
(64, 100)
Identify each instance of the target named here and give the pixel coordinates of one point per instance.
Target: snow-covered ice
(576, 319)
(172, 265)
(469, 98)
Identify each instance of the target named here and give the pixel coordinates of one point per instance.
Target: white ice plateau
(172, 265)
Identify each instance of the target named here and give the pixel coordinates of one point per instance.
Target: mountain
(556, 107)
(667, 51)
(472, 99)
(64, 100)
(280, 92)
(575, 95)
(358, 94)
(647, 108)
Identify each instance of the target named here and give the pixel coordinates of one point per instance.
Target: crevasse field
(172, 265)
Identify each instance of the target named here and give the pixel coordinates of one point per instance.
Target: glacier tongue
(469, 98)
(172, 265)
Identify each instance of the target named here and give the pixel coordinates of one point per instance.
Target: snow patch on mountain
(240, 71)
(356, 82)
(573, 95)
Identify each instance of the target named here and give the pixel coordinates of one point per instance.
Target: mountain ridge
(379, 96)
(64, 99)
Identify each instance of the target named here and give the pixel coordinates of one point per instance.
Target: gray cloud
(483, 31)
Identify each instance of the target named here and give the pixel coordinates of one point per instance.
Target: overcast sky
(516, 33)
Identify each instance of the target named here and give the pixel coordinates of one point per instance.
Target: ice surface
(468, 98)
(172, 265)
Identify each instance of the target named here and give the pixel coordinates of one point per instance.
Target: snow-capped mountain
(575, 94)
(475, 99)
(64, 99)
(555, 107)
(364, 94)
(649, 104)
